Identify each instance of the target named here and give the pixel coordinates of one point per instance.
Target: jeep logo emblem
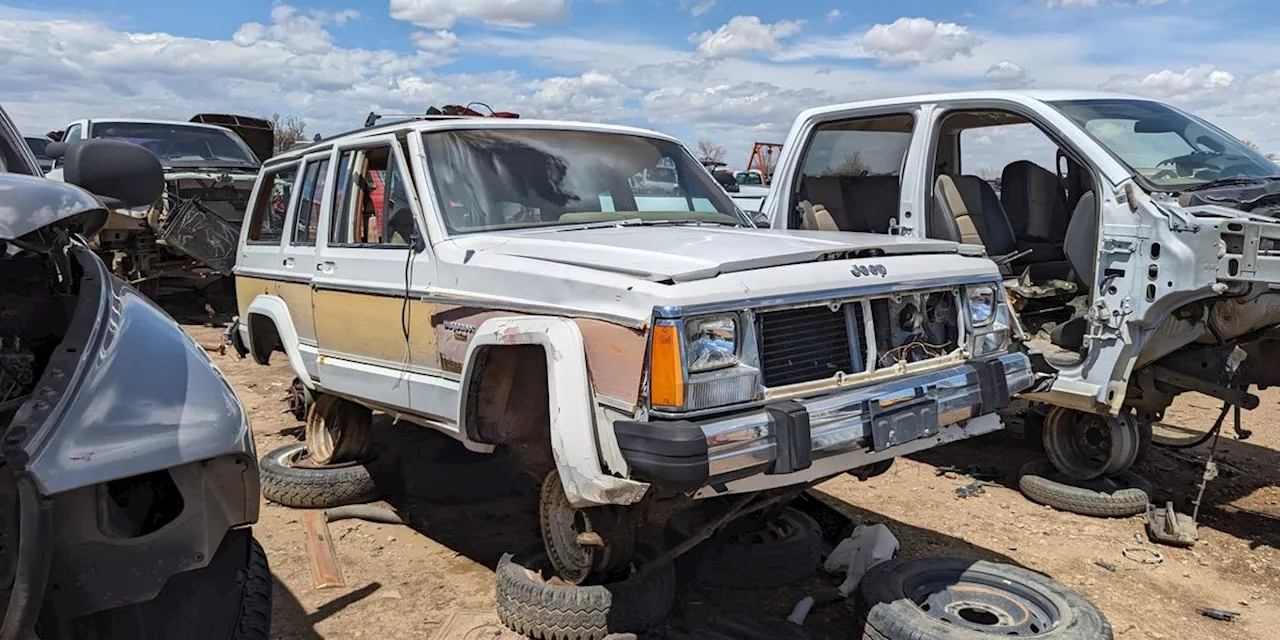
(859, 270)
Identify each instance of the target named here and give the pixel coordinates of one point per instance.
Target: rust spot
(510, 336)
(450, 365)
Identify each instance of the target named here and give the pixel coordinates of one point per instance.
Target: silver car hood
(30, 203)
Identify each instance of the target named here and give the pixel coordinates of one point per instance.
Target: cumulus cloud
(834, 15)
(592, 95)
(438, 40)
(1007, 75)
(759, 105)
(742, 35)
(442, 14)
(909, 41)
(1072, 4)
(1200, 84)
(698, 9)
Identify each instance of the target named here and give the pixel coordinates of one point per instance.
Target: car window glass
(308, 216)
(374, 209)
(267, 222)
(986, 151)
(73, 134)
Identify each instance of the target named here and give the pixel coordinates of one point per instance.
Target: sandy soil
(405, 581)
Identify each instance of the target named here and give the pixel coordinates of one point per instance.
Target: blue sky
(732, 71)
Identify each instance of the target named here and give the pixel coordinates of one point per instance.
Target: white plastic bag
(865, 548)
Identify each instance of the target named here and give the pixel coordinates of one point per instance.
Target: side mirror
(761, 220)
(122, 174)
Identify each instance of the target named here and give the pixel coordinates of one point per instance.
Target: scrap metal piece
(197, 231)
(325, 572)
(1218, 614)
(1167, 526)
(971, 489)
(1143, 555)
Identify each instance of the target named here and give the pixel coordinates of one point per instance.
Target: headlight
(711, 342)
(982, 304)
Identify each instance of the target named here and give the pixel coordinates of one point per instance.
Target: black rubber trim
(993, 384)
(789, 423)
(671, 455)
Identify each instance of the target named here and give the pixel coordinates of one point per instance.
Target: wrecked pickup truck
(128, 476)
(186, 238)
(628, 349)
(1143, 265)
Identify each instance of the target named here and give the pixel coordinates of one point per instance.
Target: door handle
(288, 262)
(325, 267)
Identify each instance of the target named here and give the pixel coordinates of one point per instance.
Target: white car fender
(274, 309)
(577, 437)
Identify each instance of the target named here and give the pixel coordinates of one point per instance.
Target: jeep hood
(29, 204)
(688, 253)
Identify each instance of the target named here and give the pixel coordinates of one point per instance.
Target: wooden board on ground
(474, 625)
(325, 572)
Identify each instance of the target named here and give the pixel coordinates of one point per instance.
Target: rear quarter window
(266, 224)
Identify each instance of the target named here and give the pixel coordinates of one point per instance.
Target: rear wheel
(1085, 446)
(337, 430)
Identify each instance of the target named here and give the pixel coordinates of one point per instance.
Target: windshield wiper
(652, 223)
(1227, 182)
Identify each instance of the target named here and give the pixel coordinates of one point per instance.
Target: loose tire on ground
(529, 605)
(1118, 496)
(789, 550)
(949, 598)
(304, 487)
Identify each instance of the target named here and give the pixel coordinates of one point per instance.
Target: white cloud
(1072, 4)
(303, 33)
(507, 13)
(834, 15)
(742, 35)
(1007, 75)
(698, 9)
(915, 40)
(1204, 84)
(438, 40)
(594, 95)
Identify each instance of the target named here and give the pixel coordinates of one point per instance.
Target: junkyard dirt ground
(404, 581)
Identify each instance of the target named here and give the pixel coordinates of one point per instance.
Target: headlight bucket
(711, 342)
(981, 304)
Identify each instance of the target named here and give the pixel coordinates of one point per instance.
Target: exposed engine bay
(35, 308)
(915, 326)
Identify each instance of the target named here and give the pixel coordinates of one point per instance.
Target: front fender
(577, 440)
(274, 309)
(127, 392)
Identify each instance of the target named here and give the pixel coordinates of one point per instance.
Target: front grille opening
(914, 327)
(802, 345)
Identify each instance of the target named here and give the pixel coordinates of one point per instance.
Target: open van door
(256, 132)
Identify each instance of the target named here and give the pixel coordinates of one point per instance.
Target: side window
(852, 171)
(74, 132)
(266, 226)
(374, 209)
(986, 151)
(307, 218)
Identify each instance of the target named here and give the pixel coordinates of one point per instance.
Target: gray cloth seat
(1037, 209)
(1080, 244)
(855, 203)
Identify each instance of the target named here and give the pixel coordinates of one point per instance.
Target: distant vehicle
(750, 177)
(188, 236)
(38, 144)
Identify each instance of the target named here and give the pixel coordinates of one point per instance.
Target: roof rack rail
(447, 112)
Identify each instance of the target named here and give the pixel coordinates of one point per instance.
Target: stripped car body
(1144, 268)
(636, 345)
(188, 236)
(125, 452)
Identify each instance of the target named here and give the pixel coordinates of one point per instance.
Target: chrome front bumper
(792, 440)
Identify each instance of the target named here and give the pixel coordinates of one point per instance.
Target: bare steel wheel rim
(986, 603)
(1086, 446)
(337, 430)
(582, 544)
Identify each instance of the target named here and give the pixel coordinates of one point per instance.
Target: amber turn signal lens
(666, 374)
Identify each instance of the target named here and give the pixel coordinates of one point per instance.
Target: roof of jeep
(1023, 96)
(445, 123)
(184, 123)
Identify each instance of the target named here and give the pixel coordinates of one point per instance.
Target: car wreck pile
(589, 304)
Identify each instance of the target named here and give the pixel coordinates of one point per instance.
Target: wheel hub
(983, 605)
(1086, 446)
(582, 543)
(337, 430)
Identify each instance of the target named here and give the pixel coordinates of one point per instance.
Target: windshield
(506, 178)
(38, 146)
(1171, 149)
(178, 144)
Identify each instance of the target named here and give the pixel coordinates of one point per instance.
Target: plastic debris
(866, 547)
(1218, 614)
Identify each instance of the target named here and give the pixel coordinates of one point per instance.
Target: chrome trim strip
(839, 422)
(265, 274)
(851, 292)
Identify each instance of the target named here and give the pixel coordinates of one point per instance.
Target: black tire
(228, 599)
(891, 603)
(753, 560)
(314, 487)
(1145, 436)
(1122, 495)
(528, 605)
